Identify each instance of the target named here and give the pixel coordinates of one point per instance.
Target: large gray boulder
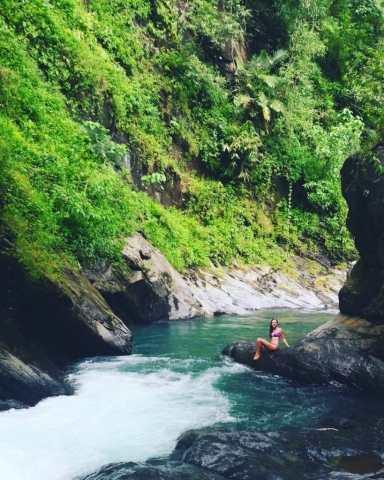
(217, 453)
(345, 350)
(146, 288)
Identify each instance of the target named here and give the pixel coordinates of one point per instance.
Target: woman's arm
(283, 338)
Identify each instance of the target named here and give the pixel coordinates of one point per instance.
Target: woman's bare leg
(258, 348)
(259, 343)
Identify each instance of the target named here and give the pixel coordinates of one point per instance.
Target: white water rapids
(125, 409)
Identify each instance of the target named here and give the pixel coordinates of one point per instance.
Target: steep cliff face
(363, 188)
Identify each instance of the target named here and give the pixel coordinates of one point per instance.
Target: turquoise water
(256, 400)
(133, 408)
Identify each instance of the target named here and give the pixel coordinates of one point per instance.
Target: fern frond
(271, 80)
(242, 100)
(277, 105)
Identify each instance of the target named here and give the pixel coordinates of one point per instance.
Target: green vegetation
(87, 86)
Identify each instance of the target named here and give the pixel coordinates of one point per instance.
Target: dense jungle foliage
(236, 114)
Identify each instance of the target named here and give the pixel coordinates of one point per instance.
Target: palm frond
(279, 56)
(271, 80)
(266, 113)
(262, 99)
(260, 63)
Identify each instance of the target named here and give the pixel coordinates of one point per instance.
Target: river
(133, 408)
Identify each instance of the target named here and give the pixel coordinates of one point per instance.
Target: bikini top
(276, 334)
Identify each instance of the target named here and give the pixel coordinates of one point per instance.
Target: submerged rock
(345, 350)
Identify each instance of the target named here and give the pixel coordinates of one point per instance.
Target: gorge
(345, 350)
(172, 173)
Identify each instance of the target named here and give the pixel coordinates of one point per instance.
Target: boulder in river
(345, 350)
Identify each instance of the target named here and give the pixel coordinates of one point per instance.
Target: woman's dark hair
(271, 328)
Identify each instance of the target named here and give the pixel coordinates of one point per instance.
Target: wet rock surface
(342, 448)
(345, 350)
(45, 325)
(152, 470)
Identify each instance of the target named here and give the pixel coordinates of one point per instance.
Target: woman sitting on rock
(275, 333)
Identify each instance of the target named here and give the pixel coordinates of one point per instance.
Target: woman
(275, 333)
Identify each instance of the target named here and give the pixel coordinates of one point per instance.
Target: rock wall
(363, 188)
(45, 325)
(148, 289)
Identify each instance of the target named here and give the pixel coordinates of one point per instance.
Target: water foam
(125, 409)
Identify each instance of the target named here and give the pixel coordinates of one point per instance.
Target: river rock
(345, 350)
(289, 454)
(44, 325)
(152, 470)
